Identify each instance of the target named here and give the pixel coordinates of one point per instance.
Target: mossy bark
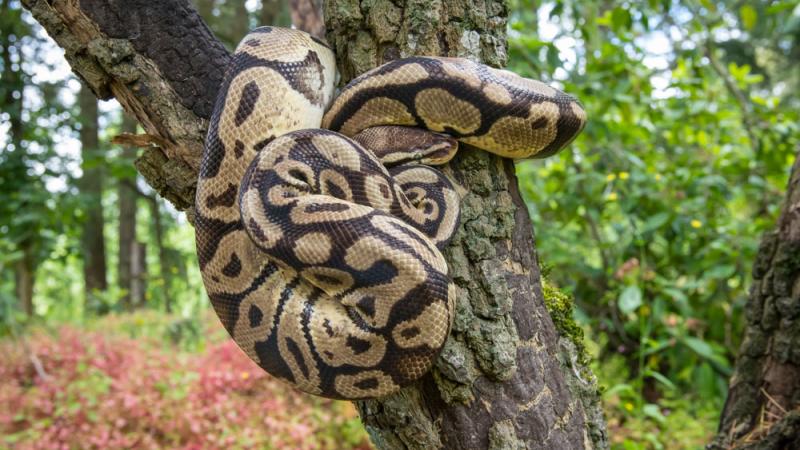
(506, 379)
(763, 406)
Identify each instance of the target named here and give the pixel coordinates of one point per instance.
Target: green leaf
(699, 346)
(722, 272)
(621, 19)
(749, 16)
(630, 299)
(661, 379)
(655, 221)
(652, 411)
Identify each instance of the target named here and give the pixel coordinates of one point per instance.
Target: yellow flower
(629, 406)
(623, 175)
(245, 375)
(612, 196)
(696, 223)
(611, 177)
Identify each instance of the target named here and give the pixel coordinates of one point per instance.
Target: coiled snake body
(324, 265)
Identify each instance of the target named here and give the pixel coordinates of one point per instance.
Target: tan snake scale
(324, 265)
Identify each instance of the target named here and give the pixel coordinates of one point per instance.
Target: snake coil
(323, 264)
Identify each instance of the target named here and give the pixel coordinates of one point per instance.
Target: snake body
(323, 264)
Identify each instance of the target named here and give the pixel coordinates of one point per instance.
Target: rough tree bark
(763, 406)
(91, 189)
(505, 379)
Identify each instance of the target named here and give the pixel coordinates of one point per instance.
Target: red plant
(116, 392)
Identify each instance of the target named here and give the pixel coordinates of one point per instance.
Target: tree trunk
(499, 382)
(127, 219)
(91, 188)
(505, 378)
(163, 261)
(763, 406)
(307, 16)
(24, 275)
(13, 98)
(138, 273)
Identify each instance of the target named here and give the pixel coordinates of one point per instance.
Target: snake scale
(323, 264)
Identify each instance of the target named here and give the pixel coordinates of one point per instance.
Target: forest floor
(148, 380)
(144, 380)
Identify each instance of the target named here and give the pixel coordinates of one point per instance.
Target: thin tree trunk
(91, 188)
(307, 16)
(24, 275)
(505, 379)
(763, 406)
(25, 266)
(138, 273)
(163, 262)
(127, 218)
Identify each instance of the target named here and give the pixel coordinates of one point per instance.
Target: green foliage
(652, 218)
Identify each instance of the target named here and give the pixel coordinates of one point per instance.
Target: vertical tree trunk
(138, 273)
(24, 274)
(307, 16)
(13, 92)
(763, 406)
(127, 217)
(91, 188)
(502, 380)
(163, 261)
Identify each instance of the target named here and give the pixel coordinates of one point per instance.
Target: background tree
(32, 218)
(91, 190)
(761, 411)
(127, 195)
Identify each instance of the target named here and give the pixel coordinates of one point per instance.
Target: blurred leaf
(661, 379)
(699, 346)
(721, 272)
(749, 16)
(654, 412)
(630, 299)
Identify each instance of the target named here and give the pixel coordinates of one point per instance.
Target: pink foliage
(115, 392)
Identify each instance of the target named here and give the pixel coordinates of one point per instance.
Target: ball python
(319, 221)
